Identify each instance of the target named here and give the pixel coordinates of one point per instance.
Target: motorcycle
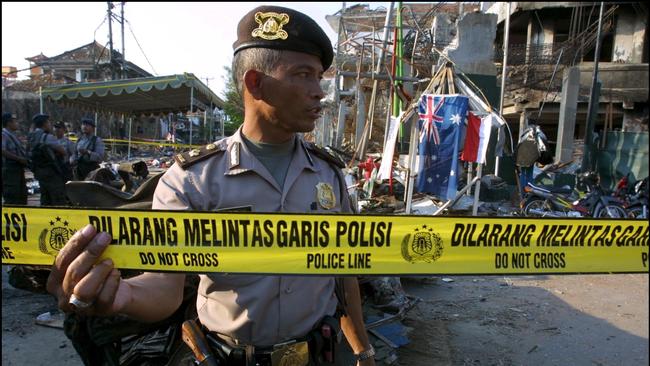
(540, 201)
(634, 196)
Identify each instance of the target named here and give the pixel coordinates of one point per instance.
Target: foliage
(234, 106)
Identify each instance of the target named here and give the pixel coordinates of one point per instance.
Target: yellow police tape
(151, 143)
(146, 143)
(245, 242)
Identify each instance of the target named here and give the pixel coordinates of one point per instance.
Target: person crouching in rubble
(89, 151)
(280, 56)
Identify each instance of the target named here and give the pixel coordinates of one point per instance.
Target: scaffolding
(384, 58)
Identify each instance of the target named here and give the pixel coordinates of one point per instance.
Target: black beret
(283, 29)
(40, 118)
(87, 121)
(6, 117)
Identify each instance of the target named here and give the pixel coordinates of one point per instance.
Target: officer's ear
(253, 82)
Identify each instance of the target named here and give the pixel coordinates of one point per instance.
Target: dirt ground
(461, 320)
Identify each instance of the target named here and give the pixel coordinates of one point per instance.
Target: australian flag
(441, 120)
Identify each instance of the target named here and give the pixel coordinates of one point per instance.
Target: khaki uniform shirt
(84, 142)
(11, 144)
(253, 309)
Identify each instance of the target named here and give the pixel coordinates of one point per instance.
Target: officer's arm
(97, 155)
(352, 323)
(9, 155)
(154, 296)
(55, 145)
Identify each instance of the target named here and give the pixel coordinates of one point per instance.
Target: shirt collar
(242, 160)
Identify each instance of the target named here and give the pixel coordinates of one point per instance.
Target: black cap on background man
(40, 119)
(7, 117)
(283, 29)
(87, 121)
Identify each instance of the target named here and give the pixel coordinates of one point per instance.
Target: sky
(175, 37)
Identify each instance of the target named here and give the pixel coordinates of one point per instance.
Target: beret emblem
(270, 25)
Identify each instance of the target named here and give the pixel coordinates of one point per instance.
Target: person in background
(69, 146)
(45, 155)
(89, 151)
(14, 161)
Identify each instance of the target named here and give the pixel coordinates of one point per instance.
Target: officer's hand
(76, 272)
(83, 151)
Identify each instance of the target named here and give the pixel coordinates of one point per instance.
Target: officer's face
(12, 125)
(293, 93)
(59, 132)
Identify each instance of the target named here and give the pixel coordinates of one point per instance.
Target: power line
(99, 26)
(141, 50)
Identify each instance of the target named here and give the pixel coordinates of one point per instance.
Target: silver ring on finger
(74, 301)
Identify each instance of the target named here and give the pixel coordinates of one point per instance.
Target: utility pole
(207, 82)
(122, 25)
(110, 38)
(592, 109)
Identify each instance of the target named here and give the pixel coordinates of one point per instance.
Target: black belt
(318, 344)
(300, 348)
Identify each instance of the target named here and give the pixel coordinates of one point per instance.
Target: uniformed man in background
(14, 161)
(280, 56)
(45, 155)
(89, 151)
(69, 146)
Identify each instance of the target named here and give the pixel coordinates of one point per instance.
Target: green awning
(161, 94)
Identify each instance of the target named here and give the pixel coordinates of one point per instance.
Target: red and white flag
(477, 138)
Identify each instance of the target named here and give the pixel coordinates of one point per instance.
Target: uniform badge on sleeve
(270, 25)
(325, 196)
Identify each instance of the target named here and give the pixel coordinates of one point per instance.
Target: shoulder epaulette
(325, 155)
(189, 158)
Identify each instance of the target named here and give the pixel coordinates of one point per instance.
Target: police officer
(89, 151)
(280, 55)
(45, 162)
(14, 161)
(69, 146)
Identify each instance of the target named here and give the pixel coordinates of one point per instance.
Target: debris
(447, 279)
(49, 320)
(532, 349)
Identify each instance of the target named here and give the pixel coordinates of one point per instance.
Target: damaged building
(387, 56)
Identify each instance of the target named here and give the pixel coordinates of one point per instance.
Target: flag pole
(410, 178)
(506, 33)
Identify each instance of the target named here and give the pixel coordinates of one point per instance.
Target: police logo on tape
(55, 237)
(425, 246)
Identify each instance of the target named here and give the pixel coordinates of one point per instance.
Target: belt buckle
(290, 354)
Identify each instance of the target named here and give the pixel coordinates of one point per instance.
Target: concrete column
(548, 32)
(523, 124)
(529, 42)
(567, 118)
(361, 115)
(628, 38)
(327, 129)
(340, 125)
